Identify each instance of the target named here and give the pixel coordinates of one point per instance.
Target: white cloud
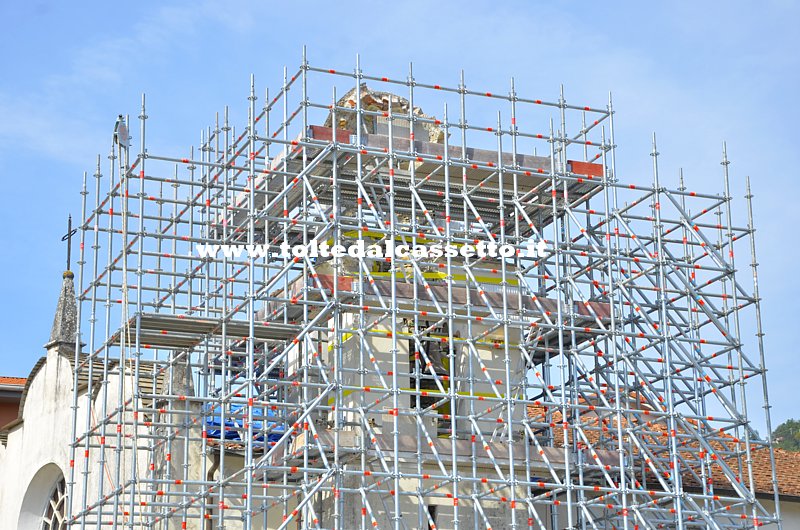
(61, 121)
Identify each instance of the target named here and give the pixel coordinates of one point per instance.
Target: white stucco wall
(38, 451)
(790, 513)
(42, 439)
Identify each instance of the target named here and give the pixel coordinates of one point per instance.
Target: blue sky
(697, 73)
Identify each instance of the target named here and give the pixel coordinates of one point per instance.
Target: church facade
(40, 479)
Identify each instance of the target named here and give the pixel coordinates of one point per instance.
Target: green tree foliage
(787, 435)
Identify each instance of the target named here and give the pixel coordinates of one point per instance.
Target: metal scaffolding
(602, 384)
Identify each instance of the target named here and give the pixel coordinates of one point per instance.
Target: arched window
(54, 516)
(44, 505)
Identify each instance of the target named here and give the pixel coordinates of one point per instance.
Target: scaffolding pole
(227, 376)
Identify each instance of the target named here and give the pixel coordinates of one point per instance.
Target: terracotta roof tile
(19, 381)
(787, 463)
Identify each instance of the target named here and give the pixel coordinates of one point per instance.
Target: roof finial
(66, 318)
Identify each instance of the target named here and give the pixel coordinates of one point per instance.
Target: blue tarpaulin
(235, 420)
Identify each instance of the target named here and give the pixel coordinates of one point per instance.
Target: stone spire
(65, 322)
